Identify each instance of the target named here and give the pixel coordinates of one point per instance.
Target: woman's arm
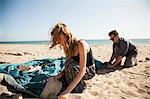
(82, 69)
(59, 75)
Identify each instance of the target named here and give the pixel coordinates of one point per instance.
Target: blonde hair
(71, 41)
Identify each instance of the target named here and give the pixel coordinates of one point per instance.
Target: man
(122, 48)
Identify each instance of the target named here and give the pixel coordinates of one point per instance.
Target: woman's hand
(64, 95)
(59, 75)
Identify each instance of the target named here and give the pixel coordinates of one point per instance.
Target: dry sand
(127, 83)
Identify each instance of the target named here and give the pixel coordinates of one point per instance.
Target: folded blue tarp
(34, 81)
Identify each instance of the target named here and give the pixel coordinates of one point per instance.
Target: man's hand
(110, 66)
(112, 59)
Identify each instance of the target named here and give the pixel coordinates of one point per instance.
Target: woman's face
(61, 39)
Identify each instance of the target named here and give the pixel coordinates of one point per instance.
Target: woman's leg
(1, 77)
(71, 70)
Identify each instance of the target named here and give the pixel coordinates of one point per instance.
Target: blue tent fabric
(33, 81)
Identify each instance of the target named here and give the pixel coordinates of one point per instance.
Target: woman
(79, 65)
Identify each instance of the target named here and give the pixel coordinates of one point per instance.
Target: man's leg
(131, 61)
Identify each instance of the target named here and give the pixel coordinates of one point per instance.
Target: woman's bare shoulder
(83, 44)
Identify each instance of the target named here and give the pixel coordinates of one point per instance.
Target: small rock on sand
(140, 61)
(147, 58)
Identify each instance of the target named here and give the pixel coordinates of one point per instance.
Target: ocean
(91, 42)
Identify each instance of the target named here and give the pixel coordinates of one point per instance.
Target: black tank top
(90, 59)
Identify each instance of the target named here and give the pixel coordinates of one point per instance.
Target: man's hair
(113, 32)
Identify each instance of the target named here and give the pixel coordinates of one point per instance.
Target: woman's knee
(1, 77)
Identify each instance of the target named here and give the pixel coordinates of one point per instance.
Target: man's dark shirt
(124, 48)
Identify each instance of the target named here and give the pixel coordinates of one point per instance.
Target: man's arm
(121, 52)
(118, 60)
(112, 58)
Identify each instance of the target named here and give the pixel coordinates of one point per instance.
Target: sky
(31, 20)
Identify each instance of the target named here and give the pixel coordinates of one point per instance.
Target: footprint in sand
(128, 90)
(95, 93)
(97, 84)
(131, 84)
(147, 71)
(140, 89)
(89, 85)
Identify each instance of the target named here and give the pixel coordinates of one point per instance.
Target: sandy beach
(126, 83)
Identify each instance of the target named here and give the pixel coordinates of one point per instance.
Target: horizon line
(49, 40)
